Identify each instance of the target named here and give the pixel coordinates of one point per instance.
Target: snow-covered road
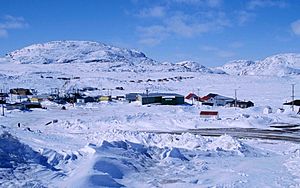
(292, 135)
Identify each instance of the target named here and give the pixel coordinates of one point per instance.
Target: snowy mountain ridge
(75, 52)
(276, 65)
(105, 57)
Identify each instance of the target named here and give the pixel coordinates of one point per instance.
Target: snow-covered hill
(276, 65)
(192, 66)
(75, 52)
(105, 57)
(99, 57)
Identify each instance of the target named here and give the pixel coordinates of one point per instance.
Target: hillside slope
(276, 65)
(105, 57)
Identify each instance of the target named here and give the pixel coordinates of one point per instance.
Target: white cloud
(183, 25)
(157, 11)
(225, 54)
(253, 4)
(236, 44)
(150, 41)
(214, 3)
(296, 27)
(3, 33)
(153, 30)
(209, 48)
(9, 22)
(218, 52)
(244, 16)
(152, 35)
(208, 3)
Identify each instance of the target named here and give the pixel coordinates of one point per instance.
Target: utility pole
(2, 101)
(147, 92)
(293, 96)
(198, 96)
(193, 97)
(2, 109)
(2, 106)
(235, 98)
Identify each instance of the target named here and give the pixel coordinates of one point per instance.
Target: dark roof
(296, 103)
(241, 102)
(20, 91)
(211, 113)
(4, 95)
(210, 95)
(160, 95)
(131, 96)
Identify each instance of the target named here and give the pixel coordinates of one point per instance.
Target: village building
(80, 100)
(130, 97)
(29, 104)
(215, 100)
(85, 99)
(240, 104)
(15, 106)
(39, 98)
(192, 96)
(161, 98)
(3, 98)
(209, 114)
(296, 104)
(20, 91)
(104, 98)
(88, 89)
(20, 94)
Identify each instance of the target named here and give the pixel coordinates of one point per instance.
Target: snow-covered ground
(99, 145)
(91, 148)
(113, 144)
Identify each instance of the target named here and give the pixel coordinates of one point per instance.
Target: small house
(192, 96)
(20, 91)
(209, 114)
(104, 98)
(15, 106)
(120, 97)
(59, 100)
(88, 89)
(29, 105)
(215, 99)
(240, 104)
(3, 97)
(131, 96)
(296, 104)
(80, 99)
(39, 98)
(85, 99)
(20, 94)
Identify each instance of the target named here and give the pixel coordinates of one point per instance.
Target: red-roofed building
(209, 114)
(192, 96)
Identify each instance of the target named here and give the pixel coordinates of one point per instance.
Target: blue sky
(211, 32)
